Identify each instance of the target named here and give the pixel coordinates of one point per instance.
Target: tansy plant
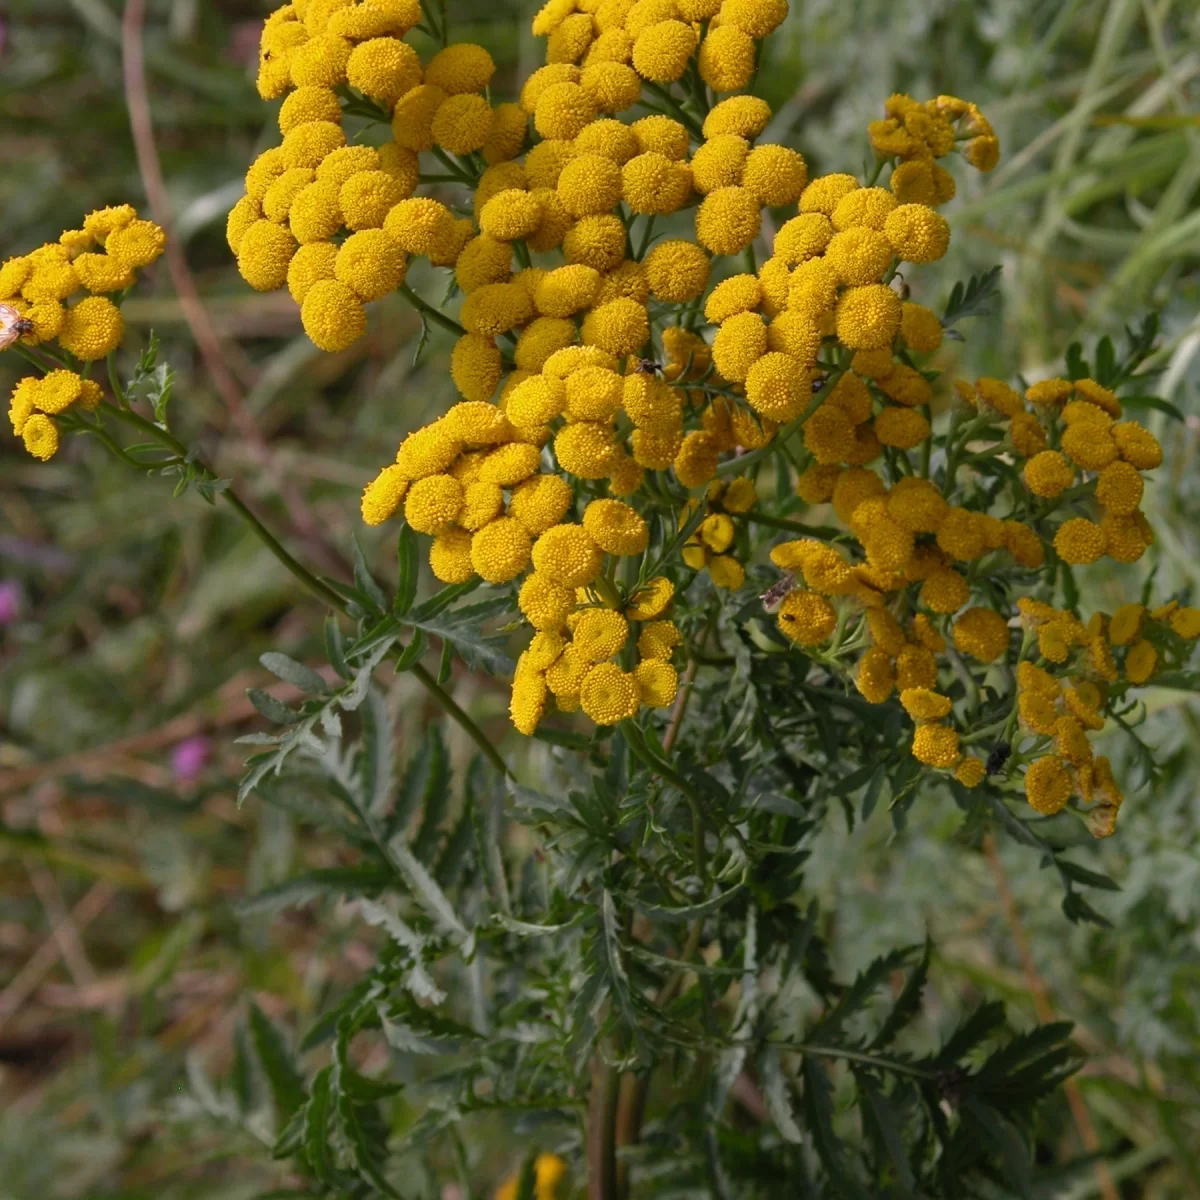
(667, 458)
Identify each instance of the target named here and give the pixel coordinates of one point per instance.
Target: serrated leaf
(274, 710)
(314, 1138)
(296, 673)
(410, 572)
(413, 652)
(365, 1155)
(1005, 1141)
(418, 979)
(908, 1003)
(688, 912)
(285, 1081)
(881, 1120)
(778, 1095)
(460, 628)
(818, 1108)
(313, 885)
(377, 755)
(426, 891)
(610, 946)
(425, 787)
(364, 581)
(335, 647)
(979, 1026)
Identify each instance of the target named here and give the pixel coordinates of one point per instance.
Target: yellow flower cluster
(606, 371)
(101, 259)
(919, 134)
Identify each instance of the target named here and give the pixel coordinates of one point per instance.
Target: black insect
(647, 366)
(998, 757)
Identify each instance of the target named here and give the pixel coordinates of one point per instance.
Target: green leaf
(972, 299)
(296, 673)
(1140, 403)
(367, 1144)
(426, 891)
(688, 912)
(315, 1132)
(284, 1080)
(425, 787)
(908, 1003)
(410, 572)
(883, 1126)
(364, 879)
(979, 1026)
(364, 581)
(274, 710)
(1004, 1140)
(527, 1180)
(778, 1094)
(335, 647)
(414, 651)
(461, 628)
(818, 1107)
(376, 755)
(610, 948)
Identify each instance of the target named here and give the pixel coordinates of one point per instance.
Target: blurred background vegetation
(130, 626)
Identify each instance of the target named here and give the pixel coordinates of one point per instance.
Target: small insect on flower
(647, 366)
(12, 326)
(998, 757)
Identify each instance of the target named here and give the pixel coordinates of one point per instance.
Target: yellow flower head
(332, 315)
(545, 603)
(936, 745)
(40, 436)
(541, 502)
(1047, 785)
(599, 634)
(806, 618)
(590, 185)
(616, 527)
(868, 317)
(92, 329)
(981, 633)
(859, 255)
(460, 68)
(370, 263)
(662, 50)
(382, 497)
(587, 449)
(450, 557)
(778, 386)
(609, 695)
(677, 271)
(500, 550)
(740, 343)
(728, 220)
(383, 67)
(568, 555)
(621, 327)
(1079, 541)
(727, 59)
(825, 193)
(566, 290)
(917, 233)
(433, 503)
(651, 600)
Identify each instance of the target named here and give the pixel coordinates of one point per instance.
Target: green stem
(685, 119)
(303, 575)
(736, 465)
(927, 447)
(818, 531)
(647, 234)
(469, 727)
(455, 168)
(429, 311)
(751, 261)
